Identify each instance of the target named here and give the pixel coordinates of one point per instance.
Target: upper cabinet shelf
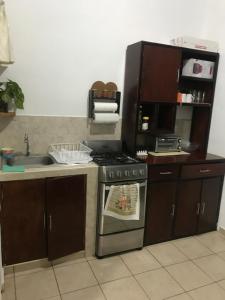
(198, 79)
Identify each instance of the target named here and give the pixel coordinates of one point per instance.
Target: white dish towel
(123, 202)
(5, 51)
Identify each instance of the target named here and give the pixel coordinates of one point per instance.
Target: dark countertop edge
(184, 159)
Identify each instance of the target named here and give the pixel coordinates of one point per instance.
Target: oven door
(107, 224)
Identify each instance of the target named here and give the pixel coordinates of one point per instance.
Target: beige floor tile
(213, 265)
(222, 254)
(92, 293)
(215, 241)
(189, 275)
(210, 292)
(9, 289)
(140, 261)
(123, 289)
(36, 286)
(181, 297)
(158, 284)
(8, 271)
(32, 267)
(167, 254)
(108, 269)
(222, 284)
(75, 276)
(69, 259)
(191, 247)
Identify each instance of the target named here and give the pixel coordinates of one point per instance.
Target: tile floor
(185, 269)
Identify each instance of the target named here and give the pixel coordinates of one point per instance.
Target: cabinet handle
(198, 209)
(203, 208)
(166, 173)
(50, 223)
(205, 171)
(172, 210)
(44, 221)
(178, 75)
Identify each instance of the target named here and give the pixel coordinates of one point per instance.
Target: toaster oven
(166, 143)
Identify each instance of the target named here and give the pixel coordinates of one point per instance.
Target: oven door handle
(107, 188)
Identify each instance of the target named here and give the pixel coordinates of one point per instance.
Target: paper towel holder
(103, 93)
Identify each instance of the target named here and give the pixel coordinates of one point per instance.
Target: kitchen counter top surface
(184, 159)
(48, 171)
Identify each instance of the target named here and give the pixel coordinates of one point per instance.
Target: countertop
(185, 159)
(48, 171)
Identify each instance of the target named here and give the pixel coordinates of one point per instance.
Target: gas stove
(114, 165)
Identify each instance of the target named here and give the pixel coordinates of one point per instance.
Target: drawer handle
(205, 171)
(166, 173)
(198, 209)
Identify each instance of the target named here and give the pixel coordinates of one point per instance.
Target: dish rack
(70, 153)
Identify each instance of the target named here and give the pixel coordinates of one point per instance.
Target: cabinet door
(210, 201)
(23, 221)
(159, 212)
(188, 208)
(160, 73)
(66, 206)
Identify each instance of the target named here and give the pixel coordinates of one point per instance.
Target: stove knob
(118, 174)
(111, 174)
(127, 173)
(141, 172)
(134, 172)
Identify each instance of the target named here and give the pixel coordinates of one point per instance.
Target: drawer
(203, 170)
(163, 172)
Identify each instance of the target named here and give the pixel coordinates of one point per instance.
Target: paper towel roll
(106, 118)
(103, 106)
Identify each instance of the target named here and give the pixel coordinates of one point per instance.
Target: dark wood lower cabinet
(159, 212)
(66, 203)
(187, 208)
(29, 232)
(210, 203)
(23, 223)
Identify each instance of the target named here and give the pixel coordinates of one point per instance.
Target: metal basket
(70, 153)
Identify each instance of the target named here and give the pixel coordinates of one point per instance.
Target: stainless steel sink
(32, 161)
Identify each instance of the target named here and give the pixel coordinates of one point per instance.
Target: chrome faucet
(26, 141)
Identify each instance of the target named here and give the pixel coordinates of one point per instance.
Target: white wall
(62, 47)
(214, 29)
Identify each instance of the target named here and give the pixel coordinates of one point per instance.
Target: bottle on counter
(145, 123)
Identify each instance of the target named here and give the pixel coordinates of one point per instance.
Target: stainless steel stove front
(115, 235)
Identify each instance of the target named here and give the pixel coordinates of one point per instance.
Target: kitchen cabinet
(42, 218)
(159, 212)
(159, 73)
(66, 215)
(187, 208)
(160, 203)
(23, 221)
(182, 200)
(153, 78)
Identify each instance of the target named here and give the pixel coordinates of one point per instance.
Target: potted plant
(11, 96)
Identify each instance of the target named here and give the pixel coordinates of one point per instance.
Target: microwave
(166, 143)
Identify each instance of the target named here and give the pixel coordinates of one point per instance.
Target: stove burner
(105, 159)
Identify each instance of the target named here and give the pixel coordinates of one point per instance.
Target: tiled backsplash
(45, 130)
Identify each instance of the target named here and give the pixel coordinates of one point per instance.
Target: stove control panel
(116, 173)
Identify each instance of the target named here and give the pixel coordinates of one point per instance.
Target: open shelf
(196, 78)
(7, 114)
(195, 104)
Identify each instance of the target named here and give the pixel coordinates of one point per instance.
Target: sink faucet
(26, 141)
